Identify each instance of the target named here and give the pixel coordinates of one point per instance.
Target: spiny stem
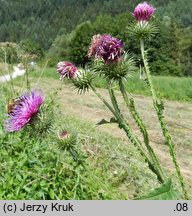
(131, 136)
(127, 129)
(131, 106)
(119, 118)
(159, 111)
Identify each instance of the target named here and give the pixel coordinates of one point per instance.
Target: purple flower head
(66, 69)
(25, 108)
(95, 42)
(106, 47)
(143, 12)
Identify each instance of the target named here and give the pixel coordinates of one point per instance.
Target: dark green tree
(80, 42)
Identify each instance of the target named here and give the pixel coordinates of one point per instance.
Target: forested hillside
(56, 25)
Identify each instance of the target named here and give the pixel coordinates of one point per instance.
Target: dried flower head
(143, 12)
(66, 69)
(106, 47)
(64, 135)
(23, 111)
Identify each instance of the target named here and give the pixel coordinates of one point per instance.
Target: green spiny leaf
(164, 192)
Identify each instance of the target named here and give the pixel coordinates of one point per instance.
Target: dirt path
(178, 116)
(16, 72)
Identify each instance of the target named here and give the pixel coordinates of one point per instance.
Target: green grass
(5, 68)
(171, 88)
(35, 167)
(47, 72)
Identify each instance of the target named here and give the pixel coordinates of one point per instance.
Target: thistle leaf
(164, 192)
(103, 121)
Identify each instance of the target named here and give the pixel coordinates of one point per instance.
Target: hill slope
(88, 107)
(42, 20)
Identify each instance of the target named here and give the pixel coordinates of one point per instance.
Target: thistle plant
(143, 13)
(106, 47)
(23, 110)
(66, 69)
(118, 72)
(28, 113)
(143, 28)
(67, 141)
(113, 64)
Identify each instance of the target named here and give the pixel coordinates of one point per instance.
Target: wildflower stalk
(11, 79)
(124, 125)
(42, 72)
(131, 106)
(159, 110)
(103, 100)
(27, 79)
(127, 129)
(121, 122)
(132, 137)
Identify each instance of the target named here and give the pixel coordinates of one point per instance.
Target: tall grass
(168, 87)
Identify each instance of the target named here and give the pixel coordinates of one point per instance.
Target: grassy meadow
(37, 166)
(168, 87)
